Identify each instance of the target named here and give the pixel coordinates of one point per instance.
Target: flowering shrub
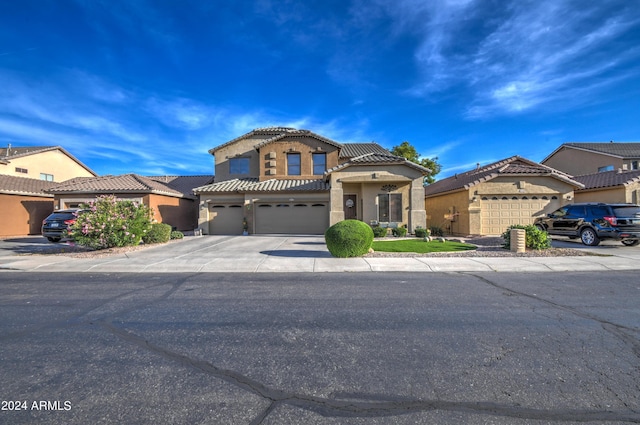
(109, 222)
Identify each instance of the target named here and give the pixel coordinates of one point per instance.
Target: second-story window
(293, 164)
(319, 163)
(239, 166)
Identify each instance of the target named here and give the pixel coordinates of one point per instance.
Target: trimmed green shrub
(436, 231)
(421, 233)
(159, 233)
(379, 232)
(349, 238)
(177, 235)
(399, 232)
(108, 222)
(535, 238)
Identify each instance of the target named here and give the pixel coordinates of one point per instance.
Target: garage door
(498, 213)
(225, 219)
(292, 218)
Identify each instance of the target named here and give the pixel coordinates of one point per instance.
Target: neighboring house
(170, 197)
(50, 163)
(24, 173)
(489, 199)
(23, 205)
(284, 180)
(587, 158)
(610, 186)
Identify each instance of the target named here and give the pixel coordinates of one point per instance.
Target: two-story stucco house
(284, 180)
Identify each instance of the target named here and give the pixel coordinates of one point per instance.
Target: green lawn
(419, 246)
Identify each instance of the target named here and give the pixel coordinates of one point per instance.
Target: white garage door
(225, 219)
(292, 218)
(498, 213)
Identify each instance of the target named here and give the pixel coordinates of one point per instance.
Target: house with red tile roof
(25, 172)
(170, 197)
(488, 199)
(287, 180)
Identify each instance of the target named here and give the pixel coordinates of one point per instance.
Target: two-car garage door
(276, 217)
(500, 212)
(305, 218)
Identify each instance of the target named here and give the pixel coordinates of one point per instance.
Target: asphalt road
(330, 348)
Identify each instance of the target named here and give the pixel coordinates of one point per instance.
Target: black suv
(593, 222)
(56, 226)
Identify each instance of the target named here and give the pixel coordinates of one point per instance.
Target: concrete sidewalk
(300, 253)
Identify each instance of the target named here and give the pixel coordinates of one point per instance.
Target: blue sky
(150, 86)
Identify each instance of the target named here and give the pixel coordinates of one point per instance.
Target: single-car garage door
(500, 212)
(225, 219)
(291, 218)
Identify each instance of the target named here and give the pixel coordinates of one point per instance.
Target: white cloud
(520, 55)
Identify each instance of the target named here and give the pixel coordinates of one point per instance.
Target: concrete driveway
(290, 253)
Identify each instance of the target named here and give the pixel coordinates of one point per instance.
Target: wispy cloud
(517, 56)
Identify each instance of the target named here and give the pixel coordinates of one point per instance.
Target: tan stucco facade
(273, 158)
(577, 162)
(623, 194)
(488, 208)
(53, 165)
(23, 215)
(368, 182)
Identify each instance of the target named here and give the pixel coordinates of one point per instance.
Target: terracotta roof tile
(623, 150)
(609, 179)
(267, 186)
(377, 159)
(13, 185)
(125, 183)
(351, 150)
(514, 165)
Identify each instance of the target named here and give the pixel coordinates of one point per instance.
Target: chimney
(8, 149)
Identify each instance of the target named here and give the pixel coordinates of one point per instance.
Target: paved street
(320, 348)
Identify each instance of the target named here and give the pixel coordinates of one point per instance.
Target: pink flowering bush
(109, 222)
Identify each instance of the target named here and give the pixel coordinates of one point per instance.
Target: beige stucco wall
(242, 148)
(367, 181)
(53, 162)
(625, 194)
(578, 162)
(273, 157)
(440, 209)
(468, 220)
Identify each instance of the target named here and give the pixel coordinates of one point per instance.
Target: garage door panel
(225, 219)
(292, 218)
(498, 213)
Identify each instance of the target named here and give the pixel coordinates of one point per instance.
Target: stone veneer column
(418, 213)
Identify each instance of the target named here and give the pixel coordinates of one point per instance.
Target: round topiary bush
(349, 238)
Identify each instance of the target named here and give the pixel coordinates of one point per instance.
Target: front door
(350, 205)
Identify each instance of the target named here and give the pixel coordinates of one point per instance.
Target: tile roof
(183, 184)
(125, 183)
(271, 134)
(377, 159)
(13, 185)
(617, 149)
(9, 153)
(513, 166)
(351, 150)
(609, 179)
(272, 185)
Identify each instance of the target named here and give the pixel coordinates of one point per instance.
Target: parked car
(593, 222)
(56, 226)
